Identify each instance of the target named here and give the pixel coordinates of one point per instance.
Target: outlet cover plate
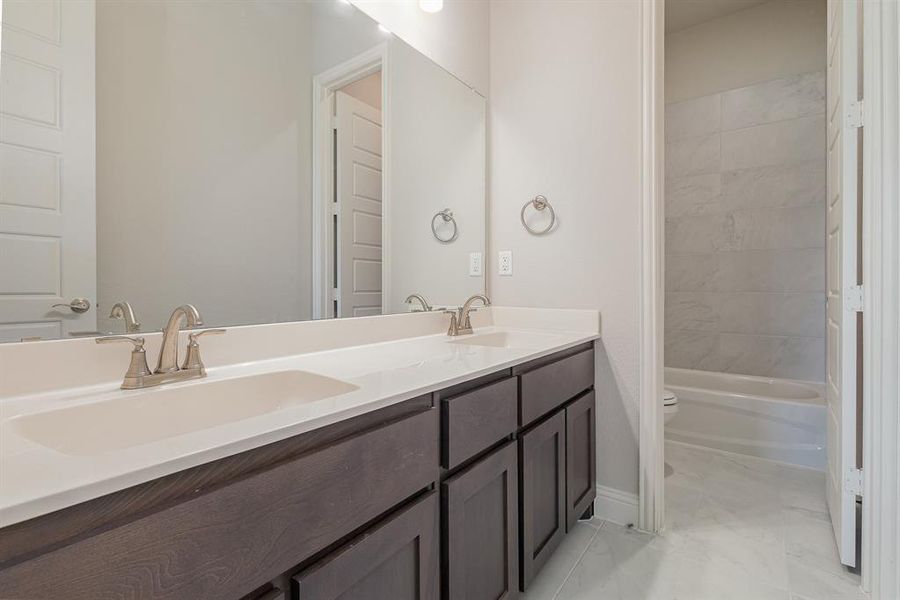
(505, 263)
(475, 264)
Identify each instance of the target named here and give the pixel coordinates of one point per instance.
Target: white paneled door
(843, 292)
(47, 203)
(359, 213)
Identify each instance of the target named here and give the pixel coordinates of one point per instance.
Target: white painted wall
(565, 122)
(456, 37)
(772, 40)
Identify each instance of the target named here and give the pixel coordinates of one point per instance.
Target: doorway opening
(761, 333)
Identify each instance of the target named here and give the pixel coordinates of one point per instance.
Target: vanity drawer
(476, 420)
(549, 386)
(233, 539)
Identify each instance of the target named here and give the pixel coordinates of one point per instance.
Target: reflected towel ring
(447, 216)
(539, 203)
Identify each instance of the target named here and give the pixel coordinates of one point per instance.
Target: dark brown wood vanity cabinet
(542, 461)
(581, 457)
(397, 559)
(462, 494)
(480, 491)
(481, 529)
(226, 529)
(557, 452)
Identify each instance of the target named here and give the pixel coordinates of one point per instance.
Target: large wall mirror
(264, 160)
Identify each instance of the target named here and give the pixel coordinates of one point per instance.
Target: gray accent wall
(745, 230)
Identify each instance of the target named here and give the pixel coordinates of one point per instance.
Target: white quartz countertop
(36, 480)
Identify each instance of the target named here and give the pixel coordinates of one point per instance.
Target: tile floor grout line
(577, 561)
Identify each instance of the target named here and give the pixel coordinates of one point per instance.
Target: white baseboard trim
(616, 506)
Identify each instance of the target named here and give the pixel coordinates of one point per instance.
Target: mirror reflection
(266, 161)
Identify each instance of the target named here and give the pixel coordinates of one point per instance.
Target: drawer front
(550, 386)
(398, 559)
(232, 540)
(476, 420)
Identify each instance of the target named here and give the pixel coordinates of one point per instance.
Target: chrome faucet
(420, 299)
(167, 370)
(460, 323)
(123, 310)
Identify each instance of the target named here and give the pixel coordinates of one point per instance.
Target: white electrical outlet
(475, 264)
(504, 262)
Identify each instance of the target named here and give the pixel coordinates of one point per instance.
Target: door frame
(324, 86)
(881, 299)
(651, 483)
(881, 277)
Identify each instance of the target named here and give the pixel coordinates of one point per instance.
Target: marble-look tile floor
(737, 529)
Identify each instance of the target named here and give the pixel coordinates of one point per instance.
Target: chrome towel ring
(540, 203)
(446, 216)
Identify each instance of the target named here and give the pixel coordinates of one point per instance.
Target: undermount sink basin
(526, 340)
(145, 416)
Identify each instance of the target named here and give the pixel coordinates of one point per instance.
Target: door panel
(359, 213)
(542, 473)
(841, 273)
(581, 457)
(47, 191)
(481, 539)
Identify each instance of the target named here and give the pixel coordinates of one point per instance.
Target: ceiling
(687, 13)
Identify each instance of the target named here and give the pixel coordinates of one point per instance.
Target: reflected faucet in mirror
(421, 300)
(167, 370)
(460, 323)
(123, 310)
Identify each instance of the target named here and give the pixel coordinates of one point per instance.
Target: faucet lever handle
(137, 341)
(454, 321)
(192, 337)
(137, 368)
(192, 359)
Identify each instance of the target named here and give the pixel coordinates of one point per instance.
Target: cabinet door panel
(581, 457)
(397, 559)
(481, 539)
(542, 472)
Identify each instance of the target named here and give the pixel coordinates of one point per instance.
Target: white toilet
(670, 405)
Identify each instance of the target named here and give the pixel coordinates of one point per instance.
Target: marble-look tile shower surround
(745, 230)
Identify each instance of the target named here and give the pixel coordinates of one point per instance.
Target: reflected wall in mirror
(264, 160)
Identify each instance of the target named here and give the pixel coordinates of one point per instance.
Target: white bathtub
(777, 419)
